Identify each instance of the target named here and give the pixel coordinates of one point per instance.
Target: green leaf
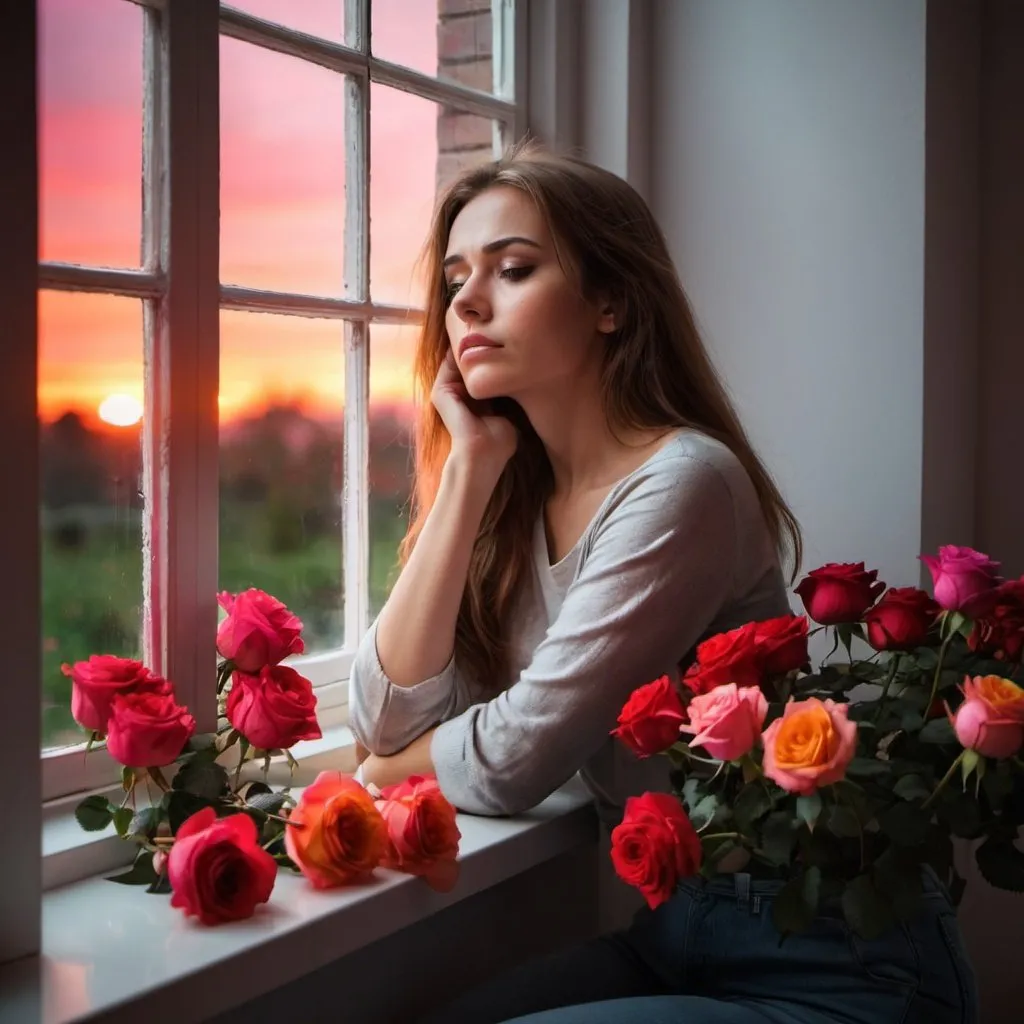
(122, 819)
(201, 742)
(162, 886)
(140, 873)
(968, 763)
(752, 802)
(796, 905)
(938, 730)
(95, 813)
(701, 815)
(127, 778)
(961, 813)
(1001, 864)
(808, 809)
(897, 876)
(911, 787)
(865, 909)
(202, 778)
(778, 838)
(271, 803)
(911, 721)
(691, 793)
(868, 768)
(904, 823)
(998, 784)
(181, 806)
(145, 822)
(843, 822)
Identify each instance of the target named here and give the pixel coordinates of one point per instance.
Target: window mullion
(182, 351)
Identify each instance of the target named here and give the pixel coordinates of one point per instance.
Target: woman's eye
(451, 290)
(516, 273)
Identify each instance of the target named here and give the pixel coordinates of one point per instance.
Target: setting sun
(120, 410)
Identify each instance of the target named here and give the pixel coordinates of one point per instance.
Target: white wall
(788, 173)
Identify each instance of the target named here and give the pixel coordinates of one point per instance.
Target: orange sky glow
(282, 202)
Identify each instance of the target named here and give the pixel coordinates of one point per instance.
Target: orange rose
(335, 835)
(1000, 694)
(810, 746)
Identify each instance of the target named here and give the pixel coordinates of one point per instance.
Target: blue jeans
(711, 955)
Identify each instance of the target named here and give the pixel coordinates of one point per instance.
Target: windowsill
(112, 950)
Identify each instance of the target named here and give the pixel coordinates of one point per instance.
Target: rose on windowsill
(846, 780)
(206, 833)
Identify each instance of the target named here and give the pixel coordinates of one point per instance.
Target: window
(224, 350)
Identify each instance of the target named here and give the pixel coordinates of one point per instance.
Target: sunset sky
(282, 201)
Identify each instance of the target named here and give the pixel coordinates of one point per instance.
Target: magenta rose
(838, 593)
(96, 682)
(727, 720)
(901, 620)
(258, 631)
(148, 730)
(962, 579)
(273, 710)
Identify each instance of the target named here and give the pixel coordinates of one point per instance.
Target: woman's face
(516, 323)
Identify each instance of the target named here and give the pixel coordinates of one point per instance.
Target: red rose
(649, 721)
(1001, 631)
(901, 620)
(148, 730)
(217, 868)
(273, 710)
(839, 593)
(782, 644)
(730, 657)
(95, 683)
(655, 846)
(258, 631)
(423, 838)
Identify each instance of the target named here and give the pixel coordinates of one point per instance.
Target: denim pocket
(891, 959)
(963, 972)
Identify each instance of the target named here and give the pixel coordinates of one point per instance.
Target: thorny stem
(942, 783)
(938, 672)
(894, 664)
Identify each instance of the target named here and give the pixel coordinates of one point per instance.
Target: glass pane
(90, 407)
(282, 397)
(90, 131)
(391, 451)
(282, 172)
(402, 191)
(450, 39)
(324, 18)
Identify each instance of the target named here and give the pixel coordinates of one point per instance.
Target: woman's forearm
(416, 629)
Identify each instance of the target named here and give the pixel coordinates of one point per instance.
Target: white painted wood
(357, 481)
(20, 879)
(552, 70)
(254, 300)
(357, 25)
(71, 277)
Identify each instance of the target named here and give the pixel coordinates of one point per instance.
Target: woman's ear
(609, 317)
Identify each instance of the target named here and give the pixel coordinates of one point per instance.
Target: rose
(727, 721)
(273, 710)
(217, 868)
(654, 846)
(839, 592)
(962, 578)
(730, 657)
(1001, 631)
(423, 837)
(901, 620)
(95, 683)
(809, 746)
(147, 729)
(335, 835)
(258, 631)
(649, 721)
(782, 644)
(991, 718)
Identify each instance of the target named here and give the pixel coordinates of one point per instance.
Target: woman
(588, 508)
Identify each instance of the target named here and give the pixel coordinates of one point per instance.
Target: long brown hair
(657, 374)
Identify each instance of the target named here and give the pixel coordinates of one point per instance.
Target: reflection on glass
(324, 18)
(90, 131)
(403, 191)
(450, 39)
(90, 404)
(282, 172)
(282, 395)
(391, 452)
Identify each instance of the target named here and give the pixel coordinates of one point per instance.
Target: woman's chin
(483, 383)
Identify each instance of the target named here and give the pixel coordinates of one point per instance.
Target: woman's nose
(470, 302)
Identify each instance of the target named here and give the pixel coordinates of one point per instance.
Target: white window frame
(179, 284)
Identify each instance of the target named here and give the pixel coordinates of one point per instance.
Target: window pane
(282, 394)
(282, 172)
(90, 131)
(450, 39)
(402, 191)
(391, 451)
(90, 405)
(324, 18)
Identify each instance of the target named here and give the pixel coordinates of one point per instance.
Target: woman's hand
(477, 433)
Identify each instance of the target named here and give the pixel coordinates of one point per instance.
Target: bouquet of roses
(214, 837)
(846, 781)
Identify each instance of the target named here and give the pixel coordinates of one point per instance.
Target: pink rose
(727, 721)
(258, 631)
(809, 746)
(962, 578)
(95, 683)
(148, 730)
(991, 718)
(273, 710)
(839, 592)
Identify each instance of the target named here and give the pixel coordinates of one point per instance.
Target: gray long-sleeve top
(678, 551)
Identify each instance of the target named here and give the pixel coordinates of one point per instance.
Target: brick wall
(463, 55)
